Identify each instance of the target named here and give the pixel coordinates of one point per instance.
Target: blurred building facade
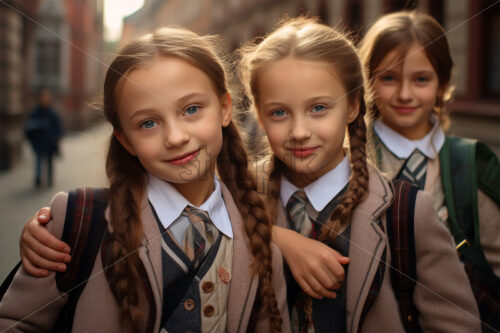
(53, 44)
(473, 29)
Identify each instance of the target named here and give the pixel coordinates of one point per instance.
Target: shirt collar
(321, 191)
(169, 204)
(402, 147)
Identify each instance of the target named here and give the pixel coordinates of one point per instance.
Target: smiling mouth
(185, 158)
(404, 109)
(303, 152)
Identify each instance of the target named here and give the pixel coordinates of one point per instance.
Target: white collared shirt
(169, 204)
(321, 191)
(402, 147)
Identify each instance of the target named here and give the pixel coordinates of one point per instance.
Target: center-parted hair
(128, 177)
(306, 39)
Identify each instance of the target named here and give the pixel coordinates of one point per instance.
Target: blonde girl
(409, 66)
(166, 97)
(306, 84)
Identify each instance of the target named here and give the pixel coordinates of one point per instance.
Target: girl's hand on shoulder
(316, 267)
(40, 250)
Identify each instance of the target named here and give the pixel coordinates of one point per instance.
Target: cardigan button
(209, 311)
(189, 304)
(410, 319)
(207, 287)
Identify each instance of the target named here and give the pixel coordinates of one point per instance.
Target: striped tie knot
(415, 169)
(297, 213)
(200, 235)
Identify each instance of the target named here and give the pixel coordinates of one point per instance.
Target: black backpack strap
(84, 227)
(8, 280)
(401, 233)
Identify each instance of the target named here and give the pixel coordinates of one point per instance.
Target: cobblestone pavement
(81, 164)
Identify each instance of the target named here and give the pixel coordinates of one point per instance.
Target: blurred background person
(43, 131)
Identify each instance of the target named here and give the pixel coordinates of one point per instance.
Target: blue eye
(422, 79)
(387, 78)
(192, 109)
(318, 108)
(278, 113)
(149, 124)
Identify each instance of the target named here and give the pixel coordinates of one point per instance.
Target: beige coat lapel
(243, 286)
(367, 244)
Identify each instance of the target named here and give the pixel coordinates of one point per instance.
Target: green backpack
(466, 166)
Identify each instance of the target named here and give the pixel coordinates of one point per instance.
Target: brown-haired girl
(306, 84)
(409, 67)
(166, 97)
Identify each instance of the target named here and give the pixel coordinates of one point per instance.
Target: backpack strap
(401, 234)
(84, 227)
(467, 165)
(8, 280)
(488, 171)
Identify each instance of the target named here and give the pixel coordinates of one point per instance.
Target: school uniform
(393, 150)
(439, 272)
(214, 301)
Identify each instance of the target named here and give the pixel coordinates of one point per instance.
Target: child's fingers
(30, 243)
(308, 289)
(335, 267)
(43, 216)
(315, 289)
(32, 270)
(31, 258)
(43, 236)
(327, 280)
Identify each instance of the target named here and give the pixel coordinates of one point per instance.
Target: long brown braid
(127, 176)
(304, 38)
(127, 183)
(232, 166)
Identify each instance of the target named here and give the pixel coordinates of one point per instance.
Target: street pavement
(81, 164)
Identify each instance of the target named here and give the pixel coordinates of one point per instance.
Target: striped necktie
(297, 214)
(200, 235)
(415, 169)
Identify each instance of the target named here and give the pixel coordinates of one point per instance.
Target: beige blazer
(33, 304)
(442, 295)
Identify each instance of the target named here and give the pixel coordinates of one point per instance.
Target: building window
(48, 61)
(354, 18)
(436, 10)
(395, 5)
(323, 12)
(491, 69)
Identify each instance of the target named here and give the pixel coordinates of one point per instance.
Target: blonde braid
(358, 183)
(232, 166)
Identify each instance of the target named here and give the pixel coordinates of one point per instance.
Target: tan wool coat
(32, 304)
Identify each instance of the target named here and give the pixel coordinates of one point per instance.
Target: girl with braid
(409, 67)
(185, 220)
(306, 84)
